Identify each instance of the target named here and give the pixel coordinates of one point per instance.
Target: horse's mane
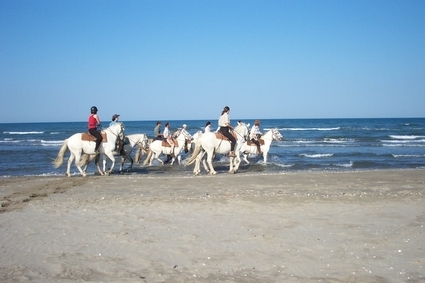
(175, 133)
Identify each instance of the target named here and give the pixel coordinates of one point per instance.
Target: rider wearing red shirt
(94, 122)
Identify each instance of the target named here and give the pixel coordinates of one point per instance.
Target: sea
(28, 149)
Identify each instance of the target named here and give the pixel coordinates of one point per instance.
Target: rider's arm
(97, 119)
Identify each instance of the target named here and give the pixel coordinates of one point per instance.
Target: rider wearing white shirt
(256, 134)
(224, 124)
(167, 137)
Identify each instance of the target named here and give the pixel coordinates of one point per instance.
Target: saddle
(220, 136)
(166, 144)
(261, 141)
(86, 136)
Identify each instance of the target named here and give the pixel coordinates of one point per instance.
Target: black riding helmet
(93, 110)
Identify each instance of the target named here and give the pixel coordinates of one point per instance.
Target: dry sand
(294, 227)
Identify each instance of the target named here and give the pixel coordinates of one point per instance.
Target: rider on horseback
(119, 147)
(224, 124)
(94, 122)
(255, 135)
(168, 137)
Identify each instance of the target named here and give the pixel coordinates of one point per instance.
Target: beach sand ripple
(295, 227)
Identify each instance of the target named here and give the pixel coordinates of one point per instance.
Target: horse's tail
(59, 158)
(148, 158)
(84, 159)
(138, 156)
(195, 153)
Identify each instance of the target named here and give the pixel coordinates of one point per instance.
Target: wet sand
(249, 227)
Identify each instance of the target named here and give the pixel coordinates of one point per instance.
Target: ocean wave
(411, 141)
(59, 142)
(347, 165)
(23, 133)
(310, 129)
(408, 155)
(283, 165)
(341, 140)
(405, 137)
(403, 145)
(318, 155)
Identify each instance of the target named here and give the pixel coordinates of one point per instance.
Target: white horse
(159, 147)
(130, 141)
(212, 144)
(265, 141)
(77, 146)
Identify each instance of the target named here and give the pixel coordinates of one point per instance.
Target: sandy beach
(249, 227)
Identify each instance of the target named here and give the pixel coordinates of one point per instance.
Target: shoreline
(357, 226)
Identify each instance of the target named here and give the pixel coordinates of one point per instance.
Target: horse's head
(242, 131)
(176, 133)
(276, 135)
(145, 142)
(186, 134)
(117, 130)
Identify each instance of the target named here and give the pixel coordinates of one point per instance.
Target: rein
(139, 142)
(244, 138)
(113, 132)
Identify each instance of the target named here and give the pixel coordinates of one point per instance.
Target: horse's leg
(111, 156)
(68, 168)
(131, 163)
(265, 157)
(210, 155)
(245, 157)
(104, 164)
(96, 162)
(77, 163)
(122, 163)
(231, 170)
(237, 163)
(156, 156)
(204, 162)
(196, 168)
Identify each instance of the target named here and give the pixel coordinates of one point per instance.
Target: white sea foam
(345, 165)
(310, 129)
(329, 140)
(283, 165)
(23, 133)
(405, 141)
(51, 143)
(407, 155)
(318, 155)
(403, 145)
(406, 137)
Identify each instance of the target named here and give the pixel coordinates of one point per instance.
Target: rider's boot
(259, 150)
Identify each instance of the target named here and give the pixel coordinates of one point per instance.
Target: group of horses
(202, 146)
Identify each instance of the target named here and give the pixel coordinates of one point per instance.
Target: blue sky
(181, 59)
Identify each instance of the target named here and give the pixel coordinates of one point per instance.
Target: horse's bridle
(246, 138)
(121, 132)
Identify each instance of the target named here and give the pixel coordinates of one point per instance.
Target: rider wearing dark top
(94, 122)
